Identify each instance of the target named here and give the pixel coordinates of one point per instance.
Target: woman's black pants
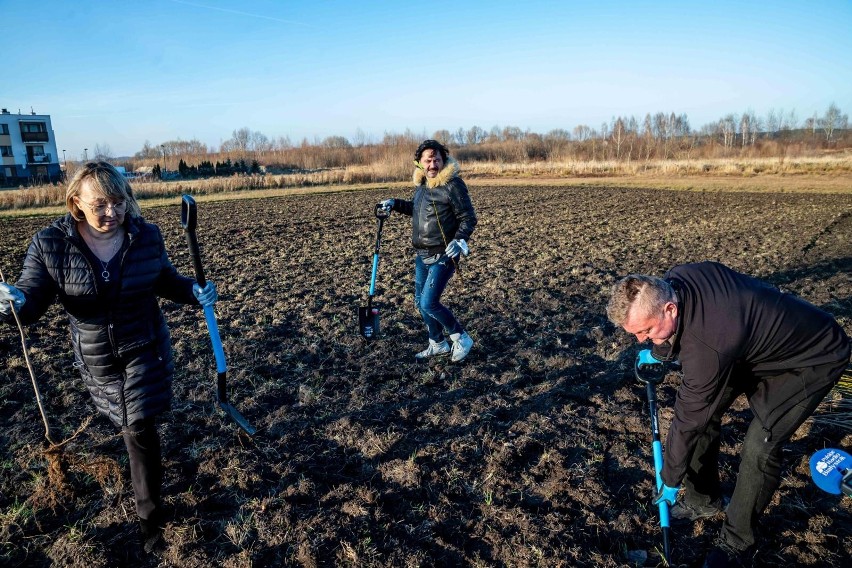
(146, 469)
(781, 404)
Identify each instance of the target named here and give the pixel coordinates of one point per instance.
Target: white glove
(387, 205)
(10, 294)
(457, 247)
(206, 296)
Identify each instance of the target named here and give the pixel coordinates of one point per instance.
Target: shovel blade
(235, 415)
(368, 321)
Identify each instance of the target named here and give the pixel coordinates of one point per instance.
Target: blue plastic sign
(828, 467)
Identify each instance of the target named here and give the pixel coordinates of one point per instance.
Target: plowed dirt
(535, 451)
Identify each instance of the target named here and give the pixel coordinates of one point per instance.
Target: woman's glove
(387, 205)
(8, 294)
(667, 494)
(206, 296)
(456, 247)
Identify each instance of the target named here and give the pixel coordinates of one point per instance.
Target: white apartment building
(28, 151)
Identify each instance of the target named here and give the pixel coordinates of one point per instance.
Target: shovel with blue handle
(189, 220)
(368, 316)
(650, 372)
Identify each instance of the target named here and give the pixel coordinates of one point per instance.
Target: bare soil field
(535, 451)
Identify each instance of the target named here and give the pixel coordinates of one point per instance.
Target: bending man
(733, 335)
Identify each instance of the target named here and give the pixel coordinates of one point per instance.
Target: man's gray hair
(647, 293)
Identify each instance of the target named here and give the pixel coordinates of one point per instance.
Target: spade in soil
(368, 316)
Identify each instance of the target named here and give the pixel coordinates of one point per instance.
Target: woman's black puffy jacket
(121, 344)
(441, 209)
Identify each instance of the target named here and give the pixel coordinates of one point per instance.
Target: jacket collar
(68, 226)
(670, 350)
(451, 170)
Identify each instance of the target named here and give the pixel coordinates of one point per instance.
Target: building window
(33, 127)
(4, 129)
(8, 172)
(6, 151)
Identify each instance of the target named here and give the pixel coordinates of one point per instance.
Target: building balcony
(34, 136)
(43, 159)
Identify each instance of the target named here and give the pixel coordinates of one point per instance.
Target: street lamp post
(85, 154)
(163, 148)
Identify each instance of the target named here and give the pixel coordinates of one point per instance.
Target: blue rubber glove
(667, 494)
(647, 359)
(206, 296)
(457, 247)
(8, 294)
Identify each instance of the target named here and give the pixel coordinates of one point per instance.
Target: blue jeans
(429, 283)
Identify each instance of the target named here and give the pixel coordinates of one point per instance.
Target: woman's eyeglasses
(102, 208)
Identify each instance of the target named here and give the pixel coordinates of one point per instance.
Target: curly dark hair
(431, 145)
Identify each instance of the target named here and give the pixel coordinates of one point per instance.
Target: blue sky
(120, 72)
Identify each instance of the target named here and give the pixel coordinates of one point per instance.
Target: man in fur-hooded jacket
(442, 221)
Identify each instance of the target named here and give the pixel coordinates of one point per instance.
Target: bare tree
(512, 133)
(239, 141)
(582, 132)
(459, 136)
(619, 135)
(772, 122)
(832, 120)
(747, 127)
(102, 153)
(360, 139)
(728, 129)
(475, 135)
(813, 124)
(789, 121)
(147, 152)
(444, 136)
(282, 143)
(337, 142)
(648, 136)
(259, 142)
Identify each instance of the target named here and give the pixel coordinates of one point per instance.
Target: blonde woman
(107, 267)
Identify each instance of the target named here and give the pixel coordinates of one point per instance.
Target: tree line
(659, 136)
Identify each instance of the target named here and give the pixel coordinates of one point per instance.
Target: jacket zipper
(110, 326)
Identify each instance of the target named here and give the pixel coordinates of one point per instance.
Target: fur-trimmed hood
(451, 170)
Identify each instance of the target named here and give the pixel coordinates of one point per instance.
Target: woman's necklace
(105, 274)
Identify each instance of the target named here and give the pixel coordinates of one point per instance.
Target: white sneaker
(435, 348)
(462, 343)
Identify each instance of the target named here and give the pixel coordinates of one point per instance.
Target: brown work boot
(682, 512)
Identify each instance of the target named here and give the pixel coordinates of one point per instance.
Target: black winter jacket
(121, 343)
(441, 210)
(732, 327)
